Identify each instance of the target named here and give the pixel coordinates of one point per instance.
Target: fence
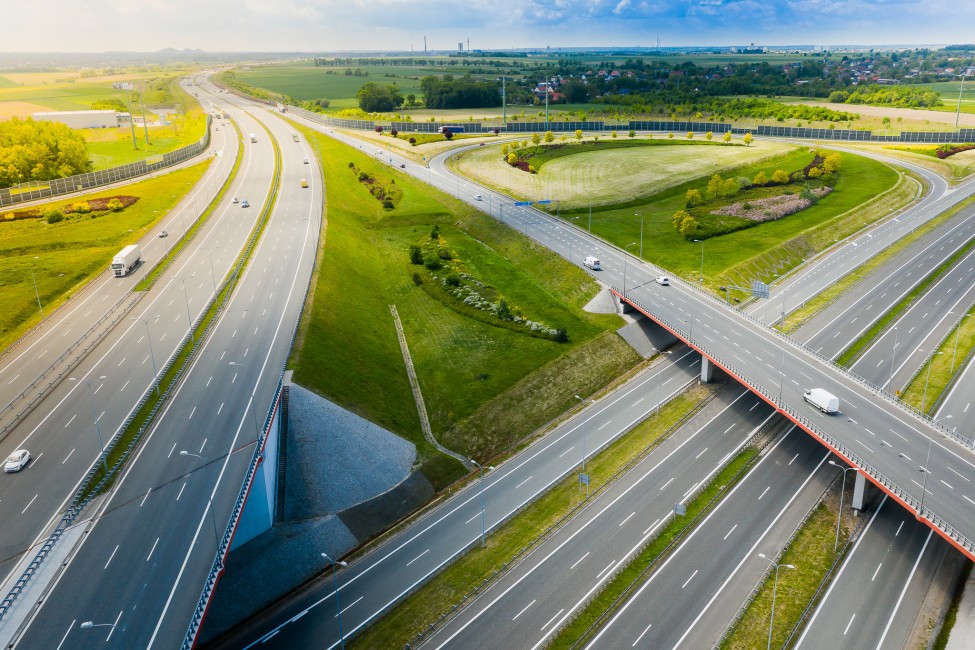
(44, 189)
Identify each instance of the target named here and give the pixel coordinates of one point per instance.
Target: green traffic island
(448, 280)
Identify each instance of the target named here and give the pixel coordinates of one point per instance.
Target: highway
(161, 521)
(60, 433)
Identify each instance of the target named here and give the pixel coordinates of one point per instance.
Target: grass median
(451, 587)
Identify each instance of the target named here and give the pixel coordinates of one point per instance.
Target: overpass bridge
(922, 464)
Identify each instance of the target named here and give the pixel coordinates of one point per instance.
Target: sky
(388, 25)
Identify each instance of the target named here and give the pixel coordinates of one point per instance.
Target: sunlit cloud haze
(388, 25)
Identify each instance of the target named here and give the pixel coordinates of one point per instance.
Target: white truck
(126, 260)
(823, 400)
(253, 138)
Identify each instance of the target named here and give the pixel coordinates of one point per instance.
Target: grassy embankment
(348, 351)
(444, 592)
(64, 256)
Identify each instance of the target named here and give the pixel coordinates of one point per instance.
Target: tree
(729, 187)
(416, 254)
(747, 139)
(815, 172)
(393, 132)
(708, 136)
(688, 226)
(379, 98)
(40, 151)
(578, 134)
(549, 137)
(411, 100)
(448, 134)
(714, 186)
(760, 179)
(726, 137)
(690, 135)
(504, 150)
(536, 138)
(694, 198)
(831, 164)
(780, 176)
(512, 158)
(378, 129)
(679, 217)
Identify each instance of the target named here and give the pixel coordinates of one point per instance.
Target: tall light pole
(660, 379)
(583, 428)
(213, 277)
(781, 374)
(98, 431)
(924, 400)
(927, 465)
(624, 266)
(701, 242)
(836, 542)
(213, 522)
(480, 482)
(155, 373)
(590, 215)
(253, 399)
(893, 351)
(187, 301)
(338, 606)
(641, 233)
(36, 292)
(775, 585)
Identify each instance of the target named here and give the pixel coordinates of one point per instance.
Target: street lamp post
(624, 266)
(924, 399)
(701, 242)
(660, 380)
(480, 482)
(893, 351)
(338, 607)
(257, 428)
(213, 277)
(836, 542)
(775, 585)
(36, 292)
(98, 432)
(213, 522)
(641, 233)
(583, 428)
(927, 465)
(187, 301)
(152, 355)
(954, 352)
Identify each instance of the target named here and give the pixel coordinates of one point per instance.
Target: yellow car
(304, 183)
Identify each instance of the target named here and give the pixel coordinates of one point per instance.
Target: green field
(656, 188)
(348, 350)
(949, 95)
(64, 256)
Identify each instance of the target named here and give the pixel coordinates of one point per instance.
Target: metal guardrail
(34, 190)
(854, 459)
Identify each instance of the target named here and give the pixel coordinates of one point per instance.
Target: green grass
(953, 352)
(462, 364)
(638, 569)
(811, 553)
(70, 253)
(524, 530)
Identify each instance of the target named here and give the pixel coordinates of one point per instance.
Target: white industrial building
(107, 119)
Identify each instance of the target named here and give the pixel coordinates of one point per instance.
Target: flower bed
(772, 208)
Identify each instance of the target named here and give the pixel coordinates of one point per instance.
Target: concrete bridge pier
(707, 370)
(860, 492)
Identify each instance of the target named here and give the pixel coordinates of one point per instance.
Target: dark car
(245, 204)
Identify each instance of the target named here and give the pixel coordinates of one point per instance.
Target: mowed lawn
(348, 349)
(612, 176)
(63, 256)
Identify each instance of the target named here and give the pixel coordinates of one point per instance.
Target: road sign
(544, 201)
(584, 479)
(523, 202)
(759, 289)
(680, 510)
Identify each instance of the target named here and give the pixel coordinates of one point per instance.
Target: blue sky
(321, 25)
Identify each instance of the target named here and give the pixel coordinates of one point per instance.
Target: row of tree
(466, 92)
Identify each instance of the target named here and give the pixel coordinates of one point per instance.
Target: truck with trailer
(126, 260)
(823, 400)
(253, 138)
(453, 129)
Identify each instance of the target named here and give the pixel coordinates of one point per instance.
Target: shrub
(379, 129)
(54, 216)
(432, 262)
(448, 134)
(435, 232)
(495, 130)
(388, 204)
(417, 280)
(760, 179)
(352, 165)
(9, 216)
(393, 132)
(690, 135)
(444, 253)
(578, 134)
(726, 137)
(453, 280)
(81, 207)
(512, 158)
(815, 172)
(632, 133)
(613, 135)
(560, 336)
(115, 205)
(412, 141)
(504, 311)
(708, 136)
(416, 254)
(780, 176)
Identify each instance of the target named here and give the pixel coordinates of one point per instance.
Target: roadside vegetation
(64, 252)
(463, 363)
(523, 532)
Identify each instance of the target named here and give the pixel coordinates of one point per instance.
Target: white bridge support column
(625, 307)
(859, 493)
(707, 370)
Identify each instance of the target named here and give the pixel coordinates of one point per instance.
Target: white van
(592, 263)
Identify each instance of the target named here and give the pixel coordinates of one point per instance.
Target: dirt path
(916, 114)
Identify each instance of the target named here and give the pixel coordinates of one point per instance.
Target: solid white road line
(110, 557)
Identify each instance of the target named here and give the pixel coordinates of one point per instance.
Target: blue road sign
(544, 201)
(523, 202)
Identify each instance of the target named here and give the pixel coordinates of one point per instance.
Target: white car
(478, 197)
(663, 280)
(16, 461)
